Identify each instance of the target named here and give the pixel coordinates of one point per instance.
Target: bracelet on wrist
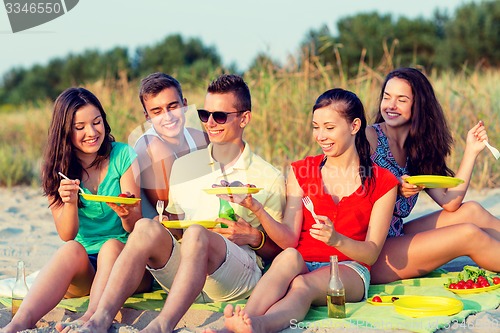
(261, 243)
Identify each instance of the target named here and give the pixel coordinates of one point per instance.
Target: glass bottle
(20, 288)
(335, 297)
(226, 212)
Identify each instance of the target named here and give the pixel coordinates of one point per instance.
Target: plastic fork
(493, 150)
(310, 207)
(160, 207)
(65, 177)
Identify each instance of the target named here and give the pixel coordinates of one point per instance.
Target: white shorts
(234, 279)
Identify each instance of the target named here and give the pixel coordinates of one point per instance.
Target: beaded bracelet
(261, 243)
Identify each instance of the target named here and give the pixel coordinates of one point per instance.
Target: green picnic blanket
(365, 315)
(359, 315)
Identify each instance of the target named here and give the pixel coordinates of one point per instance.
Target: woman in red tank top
(353, 200)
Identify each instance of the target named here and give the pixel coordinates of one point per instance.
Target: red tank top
(350, 216)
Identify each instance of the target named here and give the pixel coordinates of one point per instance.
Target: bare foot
(13, 328)
(228, 313)
(157, 326)
(237, 321)
(63, 326)
(211, 330)
(82, 327)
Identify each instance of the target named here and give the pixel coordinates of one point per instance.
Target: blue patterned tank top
(384, 158)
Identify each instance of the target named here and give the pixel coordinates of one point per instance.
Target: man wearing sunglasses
(221, 264)
(164, 137)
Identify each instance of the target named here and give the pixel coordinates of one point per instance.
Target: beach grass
(281, 119)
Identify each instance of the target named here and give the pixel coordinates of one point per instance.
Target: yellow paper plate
(232, 190)
(423, 306)
(386, 299)
(183, 224)
(430, 181)
(474, 290)
(107, 198)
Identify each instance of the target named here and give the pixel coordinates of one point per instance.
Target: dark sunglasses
(220, 117)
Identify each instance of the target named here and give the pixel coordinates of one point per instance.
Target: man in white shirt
(221, 264)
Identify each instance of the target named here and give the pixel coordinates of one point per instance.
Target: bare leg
(68, 272)
(469, 212)
(149, 243)
(305, 289)
(275, 282)
(106, 259)
(415, 255)
(272, 287)
(107, 256)
(202, 252)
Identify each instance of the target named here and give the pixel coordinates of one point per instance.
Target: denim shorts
(362, 271)
(93, 260)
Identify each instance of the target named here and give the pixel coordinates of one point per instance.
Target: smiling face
(166, 112)
(334, 134)
(87, 134)
(397, 102)
(232, 130)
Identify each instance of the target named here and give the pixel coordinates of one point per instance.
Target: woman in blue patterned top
(81, 146)
(411, 137)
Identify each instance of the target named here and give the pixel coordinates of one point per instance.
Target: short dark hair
(155, 83)
(230, 83)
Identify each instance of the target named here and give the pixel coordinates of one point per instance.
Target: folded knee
(112, 245)
(472, 234)
(146, 230)
(196, 232)
(73, 252)
(289, 257)
(472, 210)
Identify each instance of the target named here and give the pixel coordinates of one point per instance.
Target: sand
(27, 233)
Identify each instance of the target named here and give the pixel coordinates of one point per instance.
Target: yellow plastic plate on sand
(183, 224)
(434, 181)
(386, 299)
(474, 290)
(423, 306)
(232, 190)
(107, 198)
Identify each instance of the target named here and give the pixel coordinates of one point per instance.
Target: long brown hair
(350, 107)
(429, 140)
(59, 154)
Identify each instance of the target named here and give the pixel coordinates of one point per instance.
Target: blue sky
(239, 30)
